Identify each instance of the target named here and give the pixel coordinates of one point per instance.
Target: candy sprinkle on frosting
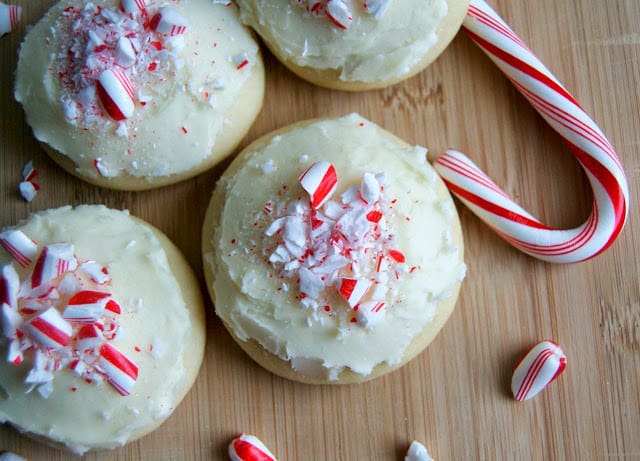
(337, 253)
(339, 13)
(62, 316)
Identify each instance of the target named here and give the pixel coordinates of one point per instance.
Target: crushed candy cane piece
(133, 6)
(9, 285)
(370, 313)
(120, 371)
(353, 289)
(320, 181)
(125, 54)
(338, 13)
(170, 22)
(78, 339)
(377, 8)
(28, 190)
(417, 452)
(539, 367)
(28, 172)
(19, 246)
(50, 329)
(9, 18)
(247, 447)
(55, 260)
(116, 94)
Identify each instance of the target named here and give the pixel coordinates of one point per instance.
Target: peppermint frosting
(344, 278)
(95, 334)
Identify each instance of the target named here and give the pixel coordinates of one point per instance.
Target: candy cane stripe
(582, 135)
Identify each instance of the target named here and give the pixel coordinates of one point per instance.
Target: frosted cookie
(132, 96)
(354, 45)
(332, 251)
(103, 327)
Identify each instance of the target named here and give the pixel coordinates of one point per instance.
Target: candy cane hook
(584, 138)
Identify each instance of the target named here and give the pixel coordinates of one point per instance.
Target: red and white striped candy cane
(584, 138)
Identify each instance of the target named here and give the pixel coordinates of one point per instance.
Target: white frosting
(371, 49)
(181, 109)
(82, 415)
(255, 302)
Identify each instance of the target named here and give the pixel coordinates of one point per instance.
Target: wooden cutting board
(454, 397)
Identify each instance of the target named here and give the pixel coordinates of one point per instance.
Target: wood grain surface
(455, 396)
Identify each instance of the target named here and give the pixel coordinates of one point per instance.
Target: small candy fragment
(125, 54)
(28, 190)
(11, 321)
(14, 354)
(19, 246)
(115, 92)
(9, 285)
(542, 364)
(377, 8)
(247, 447)
(9, 18)
(86, 306)
(169, 21)
(55, 260)
(88, 337)
(320, 181)
(132, 6)
(95, 271)
(353, 289)
(417, 452)
(121, 372)
(369, 189)
(50, 329)
(339, 14)
(370, 313)
(28, 172)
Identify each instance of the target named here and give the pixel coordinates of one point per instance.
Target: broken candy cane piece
(169, 21)
(417, 452)
(125, 54)
(369, 189)
(115, 92)
(95, 271)
(86, 306)
(55, 260)
(28, 190)
(249, 448)
(353, 290)
(377, 8)
(9, 285)
(88, 337)
(339, 14)
(11, 321)
(132, 6)
(121, 372)
(50, 329)
(14, 354)
(9, 18)
(542, 364)
(320, 181)
(28, 172)
(370, 313)
(19, 246)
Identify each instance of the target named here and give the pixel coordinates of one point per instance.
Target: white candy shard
(247, 447)
(28, 190)
(542, 364)
(417, 452)
(339, 14)
(132, 6)
(377, 8)
(9, 285)
(370, 313)
(125, 54)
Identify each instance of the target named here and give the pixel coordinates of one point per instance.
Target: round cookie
(132, 99)
(353, 45)
(332, 251)
(103, 327)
